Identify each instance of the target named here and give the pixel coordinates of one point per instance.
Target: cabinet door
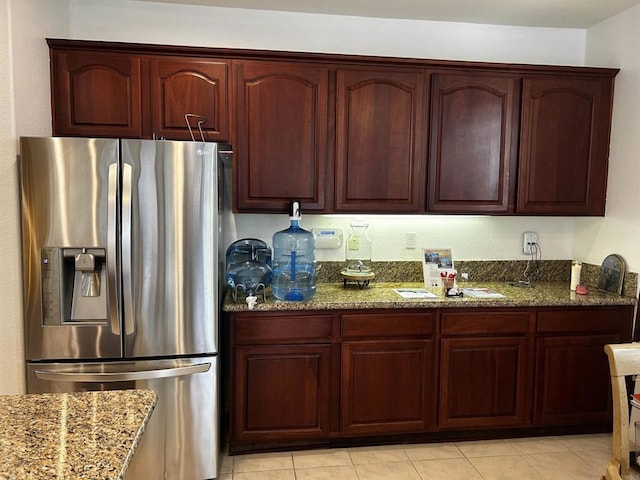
(280, 392)
(484, 383)
(386, 386)
(182, 86)
(381, 154)
(281, 145)
(564, 145)
(96, 94)
(573, 384)
(473, 143)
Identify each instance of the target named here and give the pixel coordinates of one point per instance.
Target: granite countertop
(335, 296)
(88, 435)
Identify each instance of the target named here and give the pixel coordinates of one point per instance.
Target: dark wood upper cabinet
(137, 96)
(564, 145)
(355, 134)
(473, 148)
(182, 86)
(380, 152)
(281, 135)
(96, 94)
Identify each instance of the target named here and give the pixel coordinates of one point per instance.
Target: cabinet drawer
(387, 325)
(572, 321)
(281, 328)
(481, 323)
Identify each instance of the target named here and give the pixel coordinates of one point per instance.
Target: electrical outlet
(410, 240)
(530, 238)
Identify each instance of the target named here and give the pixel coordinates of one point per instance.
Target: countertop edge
(335, 297)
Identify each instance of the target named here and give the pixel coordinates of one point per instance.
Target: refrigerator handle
(112, 249)
(104, 377)
(127, 257)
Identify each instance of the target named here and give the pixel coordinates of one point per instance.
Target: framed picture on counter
(434, 262)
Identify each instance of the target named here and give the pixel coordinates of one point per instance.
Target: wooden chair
(624, 361)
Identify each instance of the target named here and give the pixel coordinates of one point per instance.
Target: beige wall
(11, 369)
(615, 43)
(24, 110)
(475, 238)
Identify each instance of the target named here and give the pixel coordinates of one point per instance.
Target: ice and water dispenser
(74, 285)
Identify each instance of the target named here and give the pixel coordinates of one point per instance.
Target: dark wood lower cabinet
(572, 384)
(386, 386)
(336, 377)
(483, 382)
(282, 392)
(573, 381)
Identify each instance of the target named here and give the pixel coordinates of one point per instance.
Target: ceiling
(535, 13)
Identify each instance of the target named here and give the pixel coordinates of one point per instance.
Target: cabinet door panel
(386, 386)
(473, 147)
(182, 86)
(380, 153)
(281, 392)
(573, 384)
(564, 145)
(96, 94)
(281, 135)
(483, 382)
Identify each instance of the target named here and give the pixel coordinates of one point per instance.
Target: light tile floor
(575, 457)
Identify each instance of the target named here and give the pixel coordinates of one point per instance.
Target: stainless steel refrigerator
(121, 265)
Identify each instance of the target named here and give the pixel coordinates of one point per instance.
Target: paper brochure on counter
(435, 261)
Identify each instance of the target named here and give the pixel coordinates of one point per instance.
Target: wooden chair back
(624, 361)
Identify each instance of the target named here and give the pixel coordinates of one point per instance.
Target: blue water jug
(294, 260)
(248, 268)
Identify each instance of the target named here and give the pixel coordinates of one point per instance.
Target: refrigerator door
(169, 248)
(69, 189)
(181, 439)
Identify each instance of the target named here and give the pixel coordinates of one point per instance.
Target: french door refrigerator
(121, 263)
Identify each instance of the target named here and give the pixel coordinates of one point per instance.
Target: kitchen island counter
(88, 435)
(335, 296)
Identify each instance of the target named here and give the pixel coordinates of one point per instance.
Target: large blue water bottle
(294, 260)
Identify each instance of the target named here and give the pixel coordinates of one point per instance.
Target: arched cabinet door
(198, 87)
(281, 144)
(564, 145)
(473, 147)
(96, 94)
(380, 135)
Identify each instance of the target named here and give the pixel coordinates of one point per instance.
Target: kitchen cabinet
(473, 147)
(573, 341)
(564, 145)
(195, 86)
(356, 134)
(484, 369)
(354, 375)
(281, 142)
(380, 152)
(388, 367)
(131, 95)
(281, 377)
(96, 94)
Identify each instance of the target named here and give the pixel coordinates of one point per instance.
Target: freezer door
(69, 189)
(181, 438)
(169, 248)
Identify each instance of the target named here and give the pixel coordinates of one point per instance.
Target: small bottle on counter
(576, 269)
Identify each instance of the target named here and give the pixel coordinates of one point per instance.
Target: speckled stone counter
(89, 435)
(334, 296)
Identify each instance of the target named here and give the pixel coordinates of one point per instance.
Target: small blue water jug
(248, 268)
(294, 260)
